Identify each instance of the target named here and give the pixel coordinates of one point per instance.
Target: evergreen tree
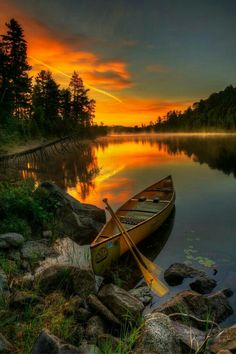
(18, 84)
(45, 101)
(65, 105)
(79, 100)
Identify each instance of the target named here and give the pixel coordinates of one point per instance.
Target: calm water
(202, 230)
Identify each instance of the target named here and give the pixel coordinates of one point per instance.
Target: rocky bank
(52, 303)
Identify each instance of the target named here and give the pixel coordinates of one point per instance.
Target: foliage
(23, 210)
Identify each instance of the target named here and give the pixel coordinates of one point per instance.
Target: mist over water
(202, 231)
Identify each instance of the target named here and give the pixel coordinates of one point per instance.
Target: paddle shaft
(148, 275)
(152, 267)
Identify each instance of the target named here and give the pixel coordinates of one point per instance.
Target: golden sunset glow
(116, 162)
(109, 79)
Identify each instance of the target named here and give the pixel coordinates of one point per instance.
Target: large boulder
(69, 278)
(157, 336)
(47, 343)
(11, 240)
(80, 221)
(191, 339)
(189, 302)
(226, 340)
(124, 305)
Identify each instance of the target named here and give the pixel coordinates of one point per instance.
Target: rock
(82, 315)
(68, 278)
(84, 282)
(47, 343)
(189, 302)
(177, 272)
(72, 306)
(5, 346)
(109, 342)
(37, 250)
(81, 222)
(142, 293)
(24, 298)
(3, 281)
(11, 240)
(124, 305)
(191, 339)
(101, 309)
(226, 340)
(227, 292)
(224, 351)
(157, 336)
(47, 234)
(95, 327)
(86, 348)
(203, 285)
(14, 255)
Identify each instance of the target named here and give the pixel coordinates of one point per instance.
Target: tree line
(217, 112)
(38, 107)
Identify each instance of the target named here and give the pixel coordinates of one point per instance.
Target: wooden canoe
(141, 215)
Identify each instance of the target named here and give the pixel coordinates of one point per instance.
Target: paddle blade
(156, 285)
(151, 266)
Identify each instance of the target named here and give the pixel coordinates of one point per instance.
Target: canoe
(140, 216)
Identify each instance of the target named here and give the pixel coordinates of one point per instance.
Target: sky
(140, 58)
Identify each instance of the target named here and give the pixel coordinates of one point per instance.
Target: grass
(29, 321)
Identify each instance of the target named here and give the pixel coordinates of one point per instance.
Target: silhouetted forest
(38, 108)
(217, 112)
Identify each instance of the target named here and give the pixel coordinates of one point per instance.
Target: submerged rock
(12, 239)
(203, 285)
(80, 221)
(190, 302)
(124, 305)
(226, 340)
(177, 272)
(47, 343)
(157, 336)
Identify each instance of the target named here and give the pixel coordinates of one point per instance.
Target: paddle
(153, 267)
(147, 268)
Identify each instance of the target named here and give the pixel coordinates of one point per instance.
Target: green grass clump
(24, 210)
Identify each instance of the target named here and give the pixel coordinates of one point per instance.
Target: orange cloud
(66, 55)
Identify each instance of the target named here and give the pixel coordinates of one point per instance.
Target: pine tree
(79, 100)
(45, 101)
(14, 47)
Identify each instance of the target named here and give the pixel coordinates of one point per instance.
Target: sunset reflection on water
(119, 160)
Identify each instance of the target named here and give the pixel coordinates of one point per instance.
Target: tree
(79, 100)
(17, 83)
(65, 105)
(45, 101)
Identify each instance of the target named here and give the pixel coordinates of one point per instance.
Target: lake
(201, 231)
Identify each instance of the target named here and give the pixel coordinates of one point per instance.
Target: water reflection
(106, 167)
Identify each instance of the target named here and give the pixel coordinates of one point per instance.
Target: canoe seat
(130, 220)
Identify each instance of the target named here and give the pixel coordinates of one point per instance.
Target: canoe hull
(105, 253)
